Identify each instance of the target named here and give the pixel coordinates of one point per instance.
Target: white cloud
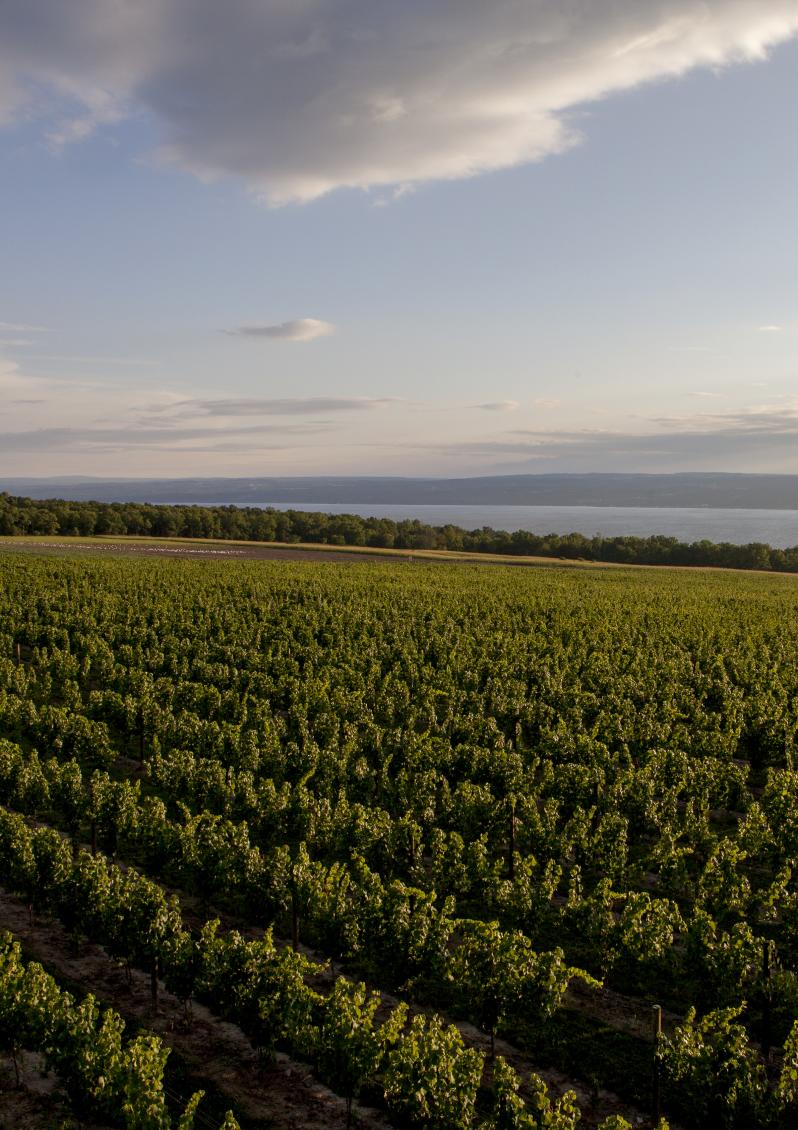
(770, 329)
(300, 329)
(302, 98)
(498, 406)
(21, 328)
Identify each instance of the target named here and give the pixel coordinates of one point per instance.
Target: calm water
(776, 527)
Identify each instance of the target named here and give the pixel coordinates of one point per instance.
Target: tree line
(51, 517)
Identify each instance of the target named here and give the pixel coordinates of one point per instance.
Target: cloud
(22, 328)
(93, 440)
(300, 329)
(7, 367)
(770, 329)
(86, 415)
(498, 406)
(300, 406)
(756, 439)
(761, 419)
(83, 422)
(69, 359)
(512, 405)
(299, 99)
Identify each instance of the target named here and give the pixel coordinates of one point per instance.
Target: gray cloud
(754, 440)
(300, 329)
(302, 98)
(301, 406)
(498, 406)
(106, 440)
(778, 419)
(89, 359)
(618, 452)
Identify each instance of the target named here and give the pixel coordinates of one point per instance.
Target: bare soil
(219, 549)
(210, 551)
(33, 1102)
(283, 1095)
(617, 1010)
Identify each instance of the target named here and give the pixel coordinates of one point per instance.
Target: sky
(435, 237)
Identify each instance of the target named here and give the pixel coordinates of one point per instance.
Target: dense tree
(48, 517)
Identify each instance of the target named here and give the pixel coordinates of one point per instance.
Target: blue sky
(445, 238)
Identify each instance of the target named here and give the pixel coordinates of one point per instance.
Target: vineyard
(471, 847)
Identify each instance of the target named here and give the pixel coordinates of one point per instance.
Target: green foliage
(431, 1078)
(508, 1109)
(787, 1089)
(259, 986)
(497, 971)
(721, 1079)
(467, 785)
(351, 1045)
(103, 1073)
(552, 1114)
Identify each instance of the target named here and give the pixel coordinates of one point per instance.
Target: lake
(775, 527)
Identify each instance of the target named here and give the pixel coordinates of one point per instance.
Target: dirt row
(33, 1100)
(626, 1014)
(198, 551)
(266, 551)
(283, 1094)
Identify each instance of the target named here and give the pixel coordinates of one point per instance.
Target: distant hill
(761, 492)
